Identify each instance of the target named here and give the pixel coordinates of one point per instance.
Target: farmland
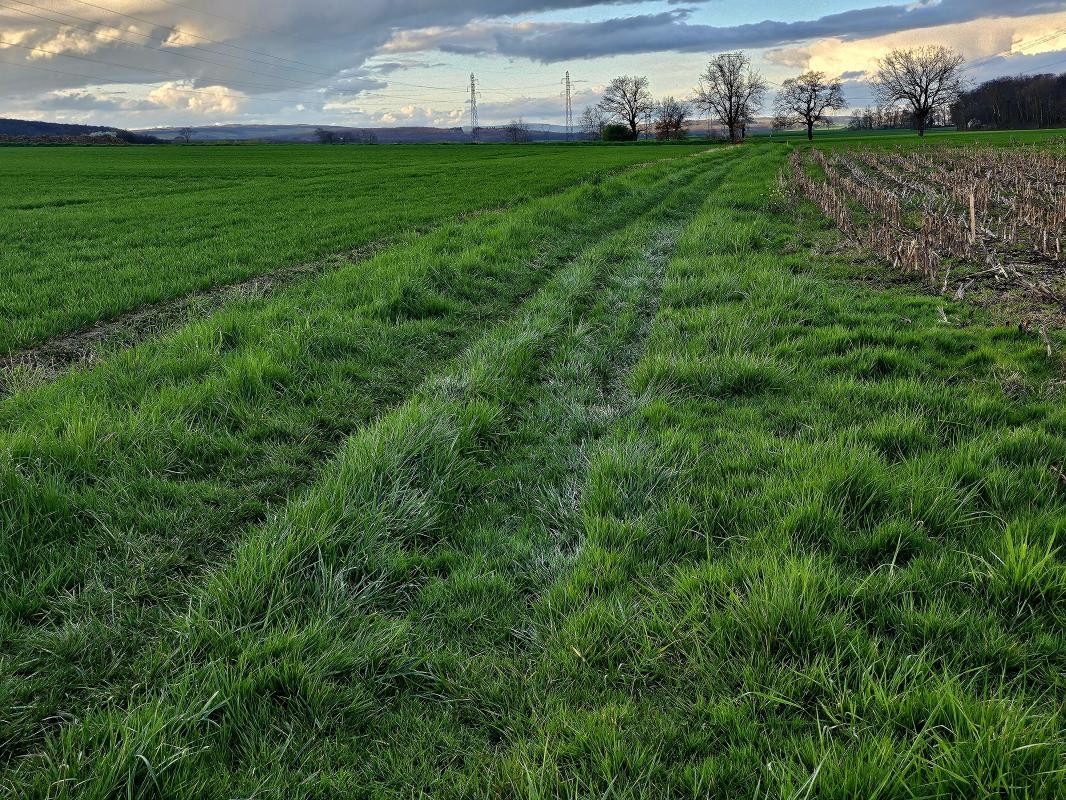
(969, 219)
(89, 235)
(605, 472)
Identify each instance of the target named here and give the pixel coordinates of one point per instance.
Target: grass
(184, 441)
(909, 138)
(631, 491)
(95, 232)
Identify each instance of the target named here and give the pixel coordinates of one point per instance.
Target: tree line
(1027, 101)
(916, 87)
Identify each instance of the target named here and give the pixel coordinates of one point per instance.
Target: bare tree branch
(926, 79)
(593, 121)
(806, 99)
(671, 115)
(731, 92)
(517, 131)
(628, 99)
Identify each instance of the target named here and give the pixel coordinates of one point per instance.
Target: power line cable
(168, 51)
(292, 36)
(176, 52)
(132, 68)
(990, 58)
(320, 71)
(112, 80)
(297, 38)
(296, 64)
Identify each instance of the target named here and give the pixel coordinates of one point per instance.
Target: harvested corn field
(966, 219)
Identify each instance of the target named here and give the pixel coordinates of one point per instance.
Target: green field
(933, 137)
(636, 484)
(90, 233)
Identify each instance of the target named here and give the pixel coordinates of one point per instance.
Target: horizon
(144, 64)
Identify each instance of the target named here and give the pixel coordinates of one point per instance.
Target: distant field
(933, 137)
(92, 232)
(651, 484)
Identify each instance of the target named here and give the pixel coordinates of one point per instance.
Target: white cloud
(184, 37)
(279, 59)
(202, 100)
(75, 41)
(408, 115)
(11, 37)
(978, 39)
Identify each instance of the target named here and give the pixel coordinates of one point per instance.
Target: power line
(185, 90)
(473, 107)
(1041, 40)
(167, 51)
(297, 65)
(255, 86)
(236, 21)
(294, 38)
(164, 73)
(569, 109)
(424, 86)
(175, 52)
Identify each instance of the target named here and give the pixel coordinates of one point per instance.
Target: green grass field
(91, 233)
(636, 484)
(836, 137)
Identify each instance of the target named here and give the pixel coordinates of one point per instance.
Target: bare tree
(731, 92)
(325, 136)
(926, 79)
(593, 121)
(185, 135)
(671, 115)
(517, 131)
(627, 99)
(806, 99)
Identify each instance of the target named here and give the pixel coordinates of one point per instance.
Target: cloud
(76, 41)
(977, 39)
(262, 47)
(264, 58)
(183, 37)
(203, 100)
(550, 42)
(79, 101)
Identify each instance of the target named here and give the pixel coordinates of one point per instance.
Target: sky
(149, 63)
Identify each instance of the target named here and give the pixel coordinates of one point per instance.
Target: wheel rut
(172, 560)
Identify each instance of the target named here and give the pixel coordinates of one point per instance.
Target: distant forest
(22, 127)
(20, 131)
(1028, 101)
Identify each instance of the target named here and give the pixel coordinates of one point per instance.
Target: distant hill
(23, 127)
(540, 132)
(308, 133)
(33, 132)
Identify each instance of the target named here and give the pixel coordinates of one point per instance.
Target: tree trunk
(733, 134)
(810, 131)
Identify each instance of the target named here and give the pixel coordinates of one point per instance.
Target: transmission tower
(569, 109)
(473, 107)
